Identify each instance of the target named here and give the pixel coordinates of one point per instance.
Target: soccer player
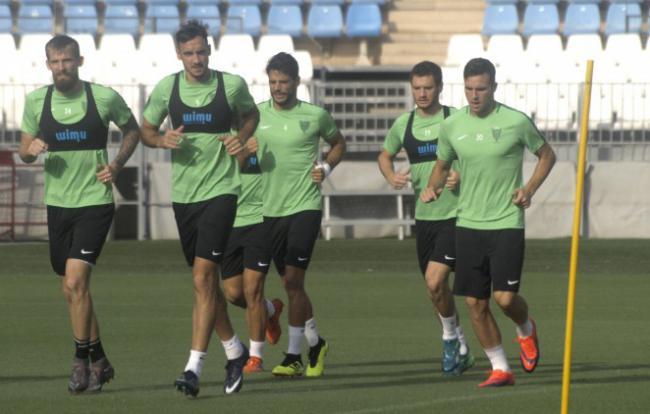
(246, 262)
(288, 136)
(435, 224)
(202, 105)
(488, 140)
(68, 122)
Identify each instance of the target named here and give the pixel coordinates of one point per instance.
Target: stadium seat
(462, 48)
(80, 18)
(269, 45)
(297, 2)
(324, 20)
(541, 19)
(544, 50)
(339, 2)
(581, 47)
(121, 2)
(500, 19)
(255, 2)
(31, 52)
(244, 19)
(162, 18)
(5, 19)
(305, 65)
(157, 53)
(35, 19)
(505, 48)
(284, 19)
(237, 43)
(363, 20)
(623, 18)
(623, 49)
(38, 2)
(581, 18)
(121, 19)
(207, 14)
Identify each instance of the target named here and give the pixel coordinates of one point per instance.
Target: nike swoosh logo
(461, 137)
(303, 259)
(260, 264)
(230, 390)
(263, 127)
(512, 282)
(449, 258)
(87, 251)
(216, 253)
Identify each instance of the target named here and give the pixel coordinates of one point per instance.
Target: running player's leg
(506, 266)
(474, 282)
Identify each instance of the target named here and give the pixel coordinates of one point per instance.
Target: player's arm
(151, 136)
(130, 139)
(234, 144)
(436, 181)
(337, 149)
(545, 160)
(249, 148)
(397, 180)
(453, 180)
(30, 147)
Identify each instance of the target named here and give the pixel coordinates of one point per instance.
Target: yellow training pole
(575, 239)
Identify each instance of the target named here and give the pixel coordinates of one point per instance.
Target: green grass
(369, 303)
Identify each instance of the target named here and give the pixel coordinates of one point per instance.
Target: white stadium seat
(462, 48)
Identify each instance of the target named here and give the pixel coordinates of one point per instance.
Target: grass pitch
(371, 306)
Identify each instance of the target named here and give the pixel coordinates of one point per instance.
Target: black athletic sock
(96, 351)
(81, 348)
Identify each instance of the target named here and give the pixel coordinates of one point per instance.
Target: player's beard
(67, 83)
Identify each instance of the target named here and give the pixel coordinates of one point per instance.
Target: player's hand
(400, 179)
(107, 173)
(428, 194)
(317, 173)
(232, 144)
(521, 198)
(37, 147)
(251, 146)
(453, 179)
(171, 138)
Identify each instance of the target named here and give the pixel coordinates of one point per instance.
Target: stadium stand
(581, 18)
(541, 19)
(623, 18)
(161, 18)
(208, 13)
(363, 20)
(35, 18)
(325, 20)
(80, 18)
(244, 18)
(462, 48)
(6, 22)
(500, 19)
(284, 19)
(121, 18)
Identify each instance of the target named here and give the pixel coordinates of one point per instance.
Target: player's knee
(478, 308)
(505, 300)
(233, 294)
(73, 288)
(292, 285)
(253, 294)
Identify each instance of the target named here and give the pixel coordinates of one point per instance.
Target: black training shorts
(435, 241)
(204, 227)
(77, 233)
(248, 247)
(488, 259)
(293, 238)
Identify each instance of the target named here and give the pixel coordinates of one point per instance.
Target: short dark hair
(189, 30)
(285, 63)
(480, 66)
(62, 42)
(427, 68)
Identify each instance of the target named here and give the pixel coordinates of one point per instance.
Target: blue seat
(500, 19)
(363, 20)
(121, 2)
(122, 19)
(284, 19)
(582, 18)
(35, 19)
(204, 2)
(244, 19)
(489, 2)
(38, 2)
(207, 14)
(541, 19)
(5, 18)
(80, 18)
(286, 1)
(623, 18)
(325, 21)
(339, 2)
(255, 2)
(369, 1)
(161, 18)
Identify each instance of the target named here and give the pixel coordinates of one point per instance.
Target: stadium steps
(420, 29)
